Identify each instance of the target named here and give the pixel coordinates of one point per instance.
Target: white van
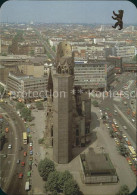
(27, 187)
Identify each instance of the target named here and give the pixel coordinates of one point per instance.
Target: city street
(14, 186)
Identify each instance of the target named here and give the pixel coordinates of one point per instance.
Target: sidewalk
(38, 151)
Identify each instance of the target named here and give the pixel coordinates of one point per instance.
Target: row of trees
(95, 103)
(24, 111)
(56, 181)
(39, 105)
(124, 190)
(17, 38)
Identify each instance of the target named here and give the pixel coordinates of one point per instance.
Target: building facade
(26, 87)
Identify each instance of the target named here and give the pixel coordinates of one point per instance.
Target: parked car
(30, 144)
(31, 152)
(30, 147)
(9, 146)
(20, 176)
(25, 153)
(129, 161)
(4, 155)
(22, 164)
(18, 161)
(7, 130)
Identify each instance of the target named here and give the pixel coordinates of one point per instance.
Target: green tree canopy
(63, 177)
(1, 90)
(95, 103)
(20, 105)
(39, 105)
(71, 187)
(135, 58)
(124, 190)
(122, 149)
(52, 183)
(26, 114)
(112, 134)
(45, 167)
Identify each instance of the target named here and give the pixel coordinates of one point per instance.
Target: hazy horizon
(66, 12)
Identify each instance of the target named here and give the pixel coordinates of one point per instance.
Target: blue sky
(66, 11)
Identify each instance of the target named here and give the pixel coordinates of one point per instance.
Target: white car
(9, 146)
(125, 127)
(124, 135)
(115, 111)
(30, 144)
(133, 120)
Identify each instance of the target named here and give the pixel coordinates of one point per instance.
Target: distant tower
(62, 105)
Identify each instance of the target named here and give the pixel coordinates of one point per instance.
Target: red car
(20, 176)
(25, 153)
(22, 164)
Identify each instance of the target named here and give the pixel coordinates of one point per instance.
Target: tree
(124, 190)
(54, 49)
(1, 91)
(54, 193)
(56, 180)
(2, 139)
(20, 105)
(95, 103)
(104, 117)
(135, 58)
(41, 140)
(71, 187)
(63, 177)
(45, 167)
(52, 183)
(122, 149)
(39, 105)
(112, 134)
(26, 114)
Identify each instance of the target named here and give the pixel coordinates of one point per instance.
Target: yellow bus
(24, 137)
(132, 151)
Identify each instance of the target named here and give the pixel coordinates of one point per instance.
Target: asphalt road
(11, 170)
(46, 46)
(110, 102)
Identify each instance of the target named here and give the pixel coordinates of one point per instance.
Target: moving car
(125, 127)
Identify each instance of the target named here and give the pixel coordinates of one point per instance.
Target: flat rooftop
(98, 163)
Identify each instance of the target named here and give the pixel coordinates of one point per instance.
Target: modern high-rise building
(62, 104)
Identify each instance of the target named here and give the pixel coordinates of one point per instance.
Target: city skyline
(66, 12)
